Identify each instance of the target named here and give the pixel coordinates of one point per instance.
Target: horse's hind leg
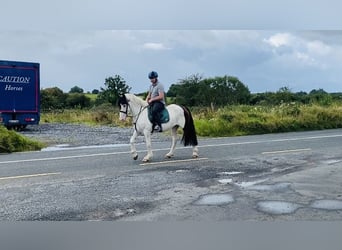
(173, 143)
(133, 148)
(195, 152)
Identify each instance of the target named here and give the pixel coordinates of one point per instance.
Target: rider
(156, 99)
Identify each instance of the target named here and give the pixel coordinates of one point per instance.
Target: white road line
(62, 157)
(274, 140)
(174, 161)
(163, 149)
(287, 151)
(27, 176)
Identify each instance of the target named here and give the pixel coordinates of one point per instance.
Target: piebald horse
(179, 117)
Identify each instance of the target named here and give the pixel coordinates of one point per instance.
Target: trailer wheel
(19, 127)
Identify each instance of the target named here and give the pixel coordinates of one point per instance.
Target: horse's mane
(136, 99)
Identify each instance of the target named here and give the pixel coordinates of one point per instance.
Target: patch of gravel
(83, 135)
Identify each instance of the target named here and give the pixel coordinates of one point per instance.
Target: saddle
(163, 115)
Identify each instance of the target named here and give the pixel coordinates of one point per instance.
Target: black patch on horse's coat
(122, 100)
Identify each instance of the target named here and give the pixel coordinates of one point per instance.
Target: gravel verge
(74, 135)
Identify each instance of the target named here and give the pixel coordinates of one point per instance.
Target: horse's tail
(189, 131)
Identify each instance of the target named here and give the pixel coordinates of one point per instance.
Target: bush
(226, 121)
(215, 128)
(248, 120)
(10, 141)
(104, 114)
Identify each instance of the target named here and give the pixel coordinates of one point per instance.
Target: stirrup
(156, 128)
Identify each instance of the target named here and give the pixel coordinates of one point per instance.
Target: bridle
(126, 112)
(123, 101)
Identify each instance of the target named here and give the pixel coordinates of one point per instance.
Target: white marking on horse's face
(123, 110)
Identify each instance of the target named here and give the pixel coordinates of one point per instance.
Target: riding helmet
(152, 75)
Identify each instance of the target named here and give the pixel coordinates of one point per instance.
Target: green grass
(11, 141)
(91, 96)
(104, 114)
(248, 120)
(227, 121)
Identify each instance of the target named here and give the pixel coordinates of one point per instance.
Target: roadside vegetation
(104, 114)
(11, 141)
(221, 106)
(248, 120)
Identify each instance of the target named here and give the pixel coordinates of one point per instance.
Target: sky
(266, 45)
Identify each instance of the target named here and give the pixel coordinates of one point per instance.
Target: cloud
(306, 59)
(319, 48)
(155, 46)
(293, 50)
(280, 39)
(263, 60)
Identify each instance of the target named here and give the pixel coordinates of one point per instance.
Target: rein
(138, 115)
(136, 120)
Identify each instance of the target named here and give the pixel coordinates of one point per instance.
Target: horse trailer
(19, 94)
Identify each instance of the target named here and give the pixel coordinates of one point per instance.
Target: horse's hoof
(194, 156)
(145, 160)
(168, 156)
(135, 157)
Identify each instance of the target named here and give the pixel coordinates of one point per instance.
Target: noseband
(126, 111)
(123, 101)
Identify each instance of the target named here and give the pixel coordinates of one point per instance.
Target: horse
(179, 116)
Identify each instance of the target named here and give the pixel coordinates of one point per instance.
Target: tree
(114, 86)
(195, 91)
(230, 90)
(320, 96)
(185, 90)
(76, 89)
(95, 91)
(77, 100)
(52, 98)
(283, 95)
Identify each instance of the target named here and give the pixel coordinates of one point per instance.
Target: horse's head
(123, 106)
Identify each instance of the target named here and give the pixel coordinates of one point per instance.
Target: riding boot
(153, 127)
(156, 128)
(158, 122)
(159, 128)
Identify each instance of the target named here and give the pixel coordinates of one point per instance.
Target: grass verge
(10, 141)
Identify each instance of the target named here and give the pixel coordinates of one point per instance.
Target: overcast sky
(80, 42)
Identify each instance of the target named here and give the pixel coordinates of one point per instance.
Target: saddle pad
(164, 115)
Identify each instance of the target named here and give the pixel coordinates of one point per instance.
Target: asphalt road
(276, 177)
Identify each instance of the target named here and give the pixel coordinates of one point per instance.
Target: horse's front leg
(173, 143)
(148, 157)
(132, 143)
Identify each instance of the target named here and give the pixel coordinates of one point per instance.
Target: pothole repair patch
(277, 207)
(327, 204)
(214, 199)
